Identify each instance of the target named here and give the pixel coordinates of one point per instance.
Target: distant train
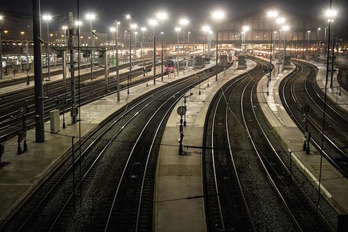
(198, 62)
(169, 66)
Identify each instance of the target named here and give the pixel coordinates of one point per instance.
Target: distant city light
(128, 16)
(143, 29)
(64, 27)
(112, 29)
(1, 17)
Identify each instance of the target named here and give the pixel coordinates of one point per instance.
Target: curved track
(247, 184)
(117, 172)
(300, 89)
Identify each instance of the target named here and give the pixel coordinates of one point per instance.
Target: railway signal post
(181, 111)
(39, 99)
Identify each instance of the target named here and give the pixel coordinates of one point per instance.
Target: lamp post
(285, 28)
(153, 23)
(178, 30)
(162, 16)
(271, 15)
(1, 19)
(245, 29)
(130, 51)
(308, 35)
(217, 16)
(64, 28)
(183, 22)
(188, 41)
(206, 30)
(143, 29)
(90, 17)
(135, 45)
(48, 18)
(133, 28)
(280, 22)
(117, 23)
(330, 15)
(318, 32)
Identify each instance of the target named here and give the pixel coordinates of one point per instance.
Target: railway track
(248, 187)
(11, 121)
(299, 90)
(117, 166)
(31, 77)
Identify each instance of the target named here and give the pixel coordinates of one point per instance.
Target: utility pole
(117, 67)
(154, 58)
(39, 100)
(0, 55)
(162, 34)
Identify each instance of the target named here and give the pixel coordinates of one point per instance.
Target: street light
(280, 22)
(115, 29)
(271, 15)
(134, 27)
(153, 23)
(207, 30)
(183, 22)
(308, 35)
(1, 19)
(91, 17)
(135, 45)
(330, 15)
(143, 29)
(318, 32)
(245, 29)
(162, 16)
(285, 28)
(129, 17)
(64, 28)
(188, 41)
(48, 18)
(177, 30)
(217, 16)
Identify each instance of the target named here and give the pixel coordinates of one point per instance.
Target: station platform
(22, 174)
(334, 187)
(179, 201)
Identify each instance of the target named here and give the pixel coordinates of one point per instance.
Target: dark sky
(198, 11)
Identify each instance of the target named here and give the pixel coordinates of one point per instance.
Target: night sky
(198, 11)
